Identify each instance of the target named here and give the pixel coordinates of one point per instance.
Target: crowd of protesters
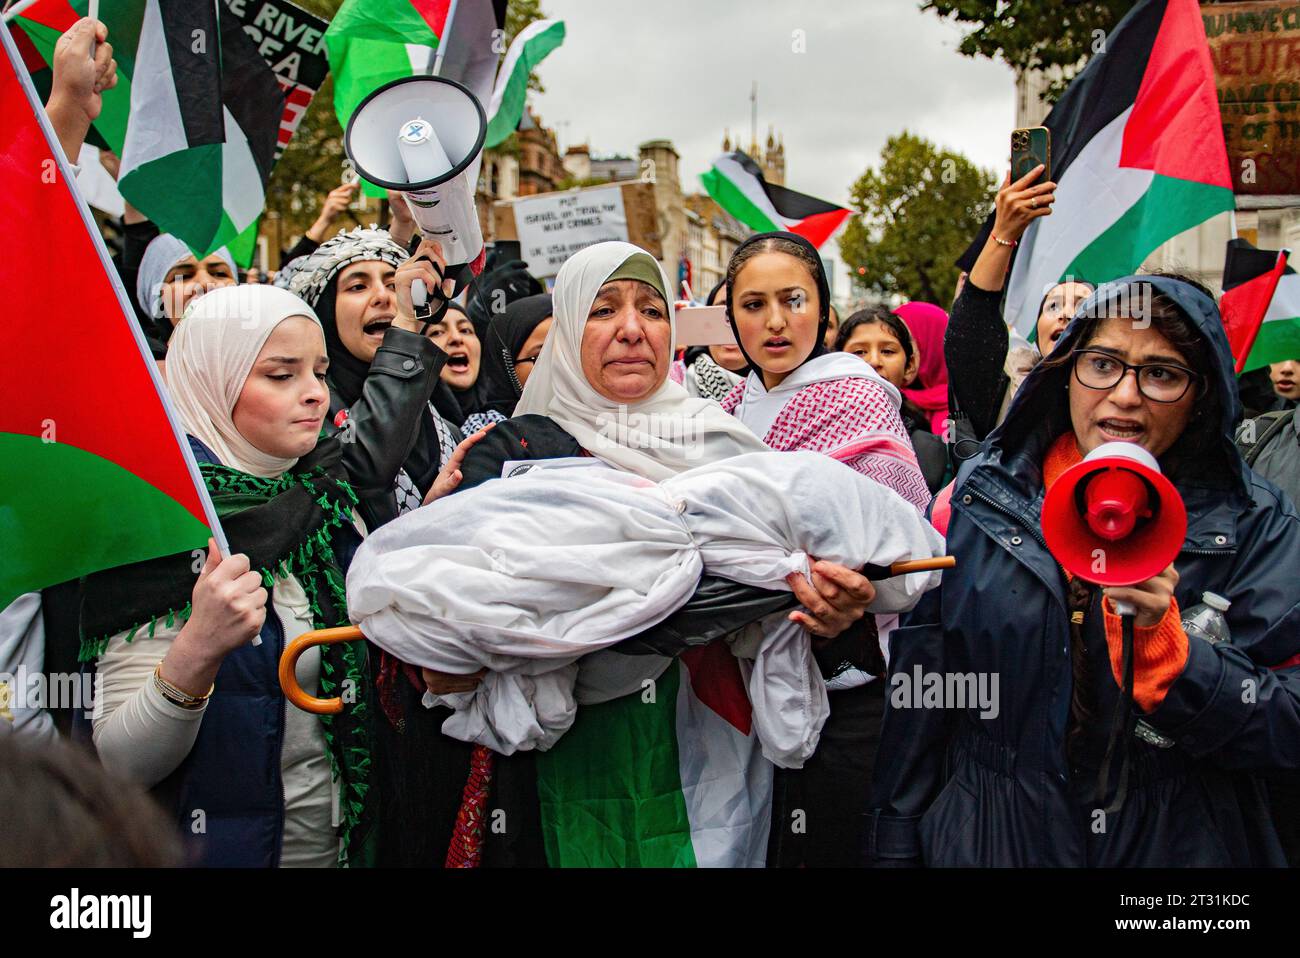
(323, 407)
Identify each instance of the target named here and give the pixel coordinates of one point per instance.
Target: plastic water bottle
(1206, 620)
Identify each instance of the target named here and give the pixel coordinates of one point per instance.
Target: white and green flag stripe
(738, 186)
(530, 47)
(194, 117)
(669, 777)
(1279, 335)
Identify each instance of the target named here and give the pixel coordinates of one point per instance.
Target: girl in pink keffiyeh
(797, 395)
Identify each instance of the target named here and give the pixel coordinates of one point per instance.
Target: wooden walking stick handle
(289, 662)
(878, 572)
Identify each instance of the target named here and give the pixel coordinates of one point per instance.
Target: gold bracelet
(177, 696)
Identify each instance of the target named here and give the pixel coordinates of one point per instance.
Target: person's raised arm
(975, 344)
(83, 68)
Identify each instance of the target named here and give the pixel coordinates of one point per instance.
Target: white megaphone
(423, 136)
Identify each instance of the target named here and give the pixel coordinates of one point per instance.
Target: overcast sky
(633, 70)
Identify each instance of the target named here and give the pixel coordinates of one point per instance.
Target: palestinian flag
(736, 184)
(669, 777)
(96, 470)
(1251, 280)
(1137, 153)
(195, 115)
(530, 47)
(373, 42)
(1279, 335)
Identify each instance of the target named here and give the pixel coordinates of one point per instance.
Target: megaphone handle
(1124, 608)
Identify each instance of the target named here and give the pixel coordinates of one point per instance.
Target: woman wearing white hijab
(171, 276)
(601, 388)
(187, 705)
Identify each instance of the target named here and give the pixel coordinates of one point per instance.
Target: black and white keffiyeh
(307, 276)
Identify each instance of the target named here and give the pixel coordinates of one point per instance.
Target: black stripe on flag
(789, 204)
(469, 46)
(1245, 262)
(1105, 88)
(251, 93)
(194, 54)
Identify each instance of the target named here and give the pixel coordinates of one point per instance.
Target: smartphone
(704, 326)
(1029, 147)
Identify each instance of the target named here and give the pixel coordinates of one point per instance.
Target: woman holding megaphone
(1052, 773)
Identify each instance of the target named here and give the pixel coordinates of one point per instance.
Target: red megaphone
(1114, 519)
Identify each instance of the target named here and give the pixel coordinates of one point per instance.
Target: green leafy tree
(1033, 34)
(916, 213)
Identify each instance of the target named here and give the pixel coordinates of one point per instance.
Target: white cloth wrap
(526, 575)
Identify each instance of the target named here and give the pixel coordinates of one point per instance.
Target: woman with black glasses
(1018, 780)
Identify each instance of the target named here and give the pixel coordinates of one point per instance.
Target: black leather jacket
(390, 427)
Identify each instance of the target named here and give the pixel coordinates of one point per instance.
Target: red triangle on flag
(96, 472)
(434, 13)
(1174, 129)
(717, 682)
(817, 229)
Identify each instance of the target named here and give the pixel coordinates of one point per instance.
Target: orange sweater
(1160, 650)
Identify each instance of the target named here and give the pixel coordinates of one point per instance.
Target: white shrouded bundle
(526, 575)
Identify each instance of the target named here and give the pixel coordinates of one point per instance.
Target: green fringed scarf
(285, 526)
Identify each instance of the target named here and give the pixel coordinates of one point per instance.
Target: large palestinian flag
(96, 472)
(1251, 280)
(1137, 151)
(737, 185)
(195, 115)
(669, 777)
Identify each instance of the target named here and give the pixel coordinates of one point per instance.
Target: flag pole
(127, 313)
(17, 8)
(436, 68)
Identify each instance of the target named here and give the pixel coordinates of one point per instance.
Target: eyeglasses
(1159, 382)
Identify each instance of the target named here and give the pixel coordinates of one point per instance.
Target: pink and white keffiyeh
(839, 406)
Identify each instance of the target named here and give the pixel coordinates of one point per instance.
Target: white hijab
(162, 253)
(209, 358)
(759, 407)
(658, 437)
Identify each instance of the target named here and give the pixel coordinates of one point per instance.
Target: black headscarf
(347, 373)
(823, 295)
(498, 383)
(456, 405)
(510, 277)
